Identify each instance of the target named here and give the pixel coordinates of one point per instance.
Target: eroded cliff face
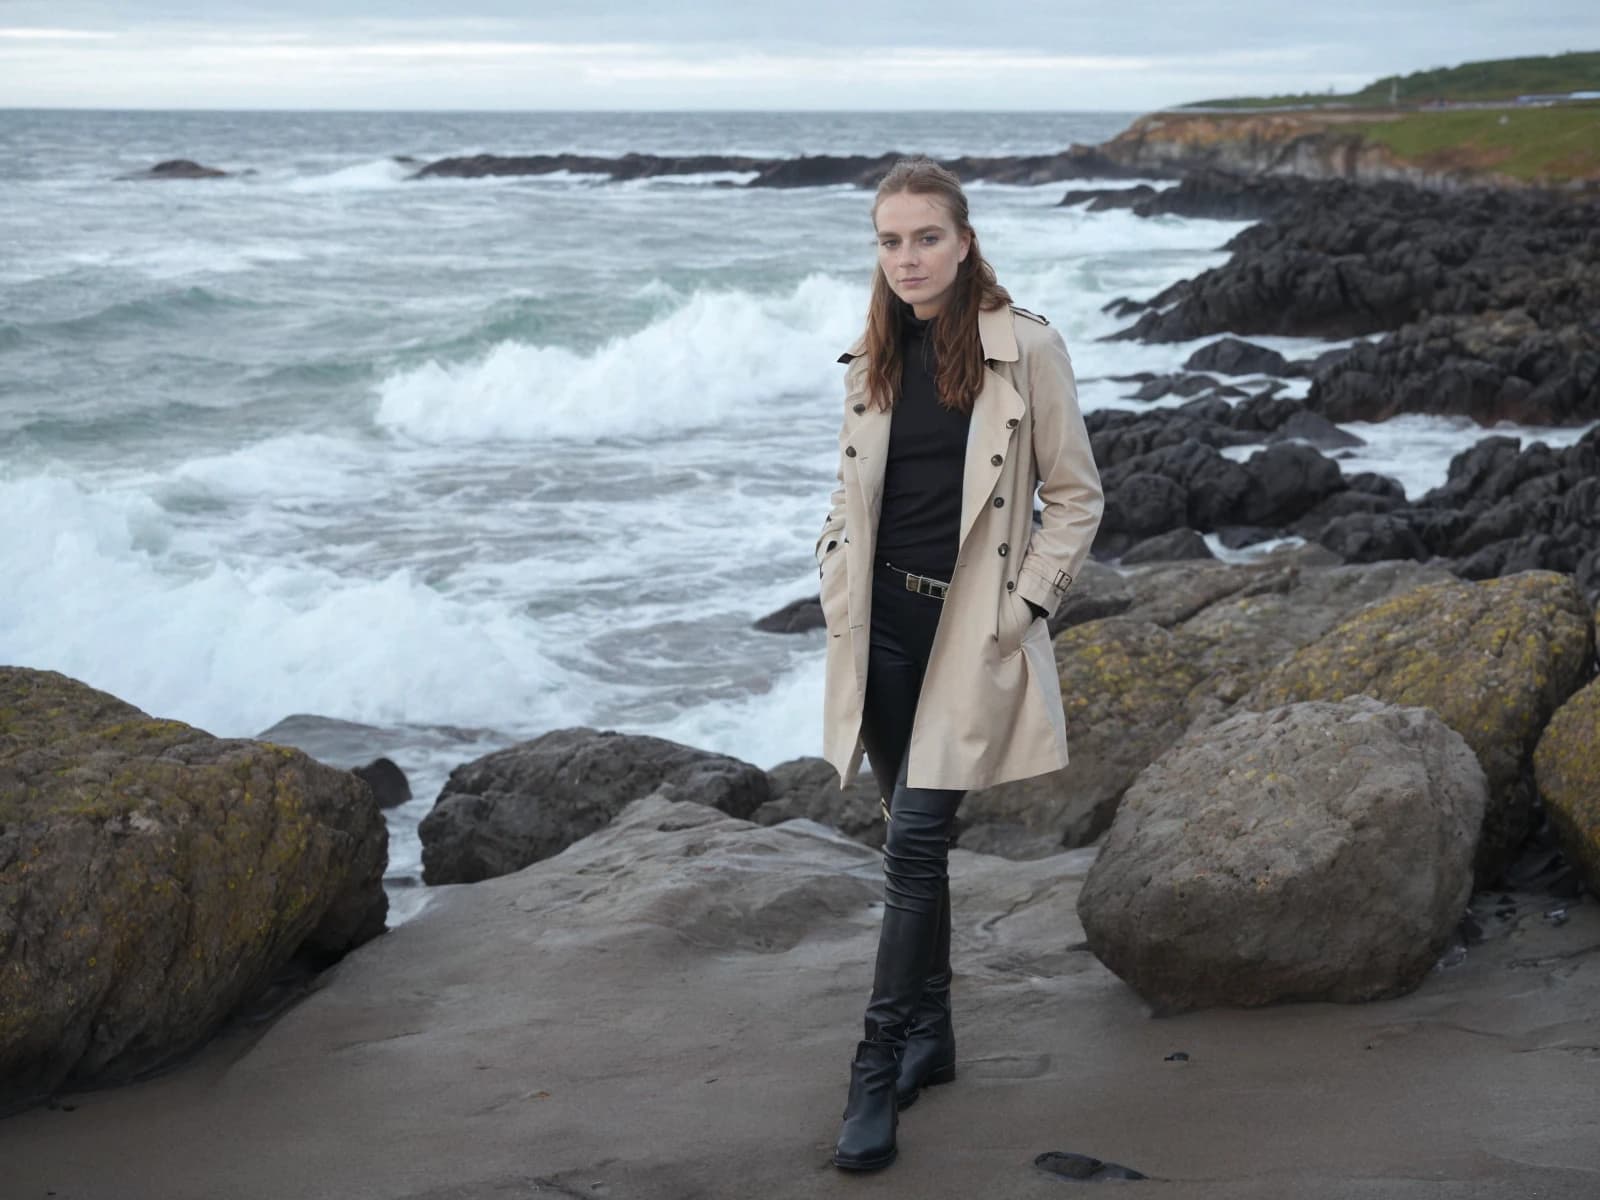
(1311, 146)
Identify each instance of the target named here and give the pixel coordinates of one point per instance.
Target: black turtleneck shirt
(919, 527)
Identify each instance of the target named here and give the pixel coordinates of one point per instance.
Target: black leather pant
(916, 919)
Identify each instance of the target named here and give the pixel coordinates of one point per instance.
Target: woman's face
(919, 250)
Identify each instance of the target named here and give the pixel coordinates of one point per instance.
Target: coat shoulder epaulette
(1032, 316)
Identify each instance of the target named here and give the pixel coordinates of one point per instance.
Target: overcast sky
(653, 54)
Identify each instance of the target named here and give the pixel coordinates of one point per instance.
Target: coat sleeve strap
(1069, 482)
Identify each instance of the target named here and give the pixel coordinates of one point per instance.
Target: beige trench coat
(990, 707)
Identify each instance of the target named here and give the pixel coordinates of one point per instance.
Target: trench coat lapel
(995, 415)
(870, 440)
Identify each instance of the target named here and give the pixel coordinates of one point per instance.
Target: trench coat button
(999, 501)
(996, 461)
(1012, 423)
(849, 451)
(1004, 549)
(1011, 585)
(859, 408)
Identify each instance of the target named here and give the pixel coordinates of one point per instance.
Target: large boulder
(809, 788)
(1312, 852)
(516, 806)
(1566, 766)
(1494, 659)
(1195, 638)
(153, 877)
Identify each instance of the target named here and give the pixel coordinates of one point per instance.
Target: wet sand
(668, 1009)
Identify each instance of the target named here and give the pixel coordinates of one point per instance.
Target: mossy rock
(153, 877)
(1566, 766)
(1199, 638)
(1493, 659)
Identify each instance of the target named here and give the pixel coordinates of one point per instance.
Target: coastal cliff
(1557, 145)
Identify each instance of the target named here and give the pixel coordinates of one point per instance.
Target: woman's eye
(930, 239)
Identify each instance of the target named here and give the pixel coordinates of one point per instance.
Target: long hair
(954, 331)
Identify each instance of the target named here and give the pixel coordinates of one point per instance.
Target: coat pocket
(1011, 626)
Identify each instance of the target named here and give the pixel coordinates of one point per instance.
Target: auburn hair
(954, 330)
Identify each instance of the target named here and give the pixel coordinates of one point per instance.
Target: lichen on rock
(1493, 659)
(153, 877)
(1566, 767)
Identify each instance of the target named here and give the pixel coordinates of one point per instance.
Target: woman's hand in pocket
(1012, 627)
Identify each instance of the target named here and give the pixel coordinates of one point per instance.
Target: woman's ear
(966, 245)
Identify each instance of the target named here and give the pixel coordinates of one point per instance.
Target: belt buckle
(924, 586)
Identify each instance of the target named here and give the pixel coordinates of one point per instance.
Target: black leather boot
(915, 866)
(929, 1058)
(866, 1139)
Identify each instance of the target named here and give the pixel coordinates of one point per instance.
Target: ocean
(446, 465)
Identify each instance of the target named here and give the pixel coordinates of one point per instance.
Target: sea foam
(700, 364)
(110, 589)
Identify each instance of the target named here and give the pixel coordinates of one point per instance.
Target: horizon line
(566, 111)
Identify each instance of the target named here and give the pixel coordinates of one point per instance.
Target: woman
(935, 587)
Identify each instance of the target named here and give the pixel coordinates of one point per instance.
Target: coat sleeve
(1069, 483)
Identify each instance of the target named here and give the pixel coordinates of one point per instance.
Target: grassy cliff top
(1546, 144)
(1496, 79)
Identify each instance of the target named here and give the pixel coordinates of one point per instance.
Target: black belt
(923, 585)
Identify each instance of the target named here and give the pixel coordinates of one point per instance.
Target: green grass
(1495, 79)
(1548, 144)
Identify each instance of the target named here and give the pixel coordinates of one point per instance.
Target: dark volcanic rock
(177, 168)
(809, 787)
(1105, 199)
(627, 166)
(390, 787)
(1191, 484)
(1174, 546)
(824, 170)
(153, 878)
(1317, 430)
(1219, 195)
(1288, 479)
(1234, 356)
(516, 806)
(798, 616)
(808, 170)
(1489, 368)
(1145, 503)
(1344, 260)
(1372, 537)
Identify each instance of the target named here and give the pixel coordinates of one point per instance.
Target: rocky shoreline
(1353, 785)
(1485, 304)
(688, 982)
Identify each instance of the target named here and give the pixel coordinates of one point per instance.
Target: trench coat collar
(995, 334)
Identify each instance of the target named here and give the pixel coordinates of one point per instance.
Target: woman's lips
(913, 282)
